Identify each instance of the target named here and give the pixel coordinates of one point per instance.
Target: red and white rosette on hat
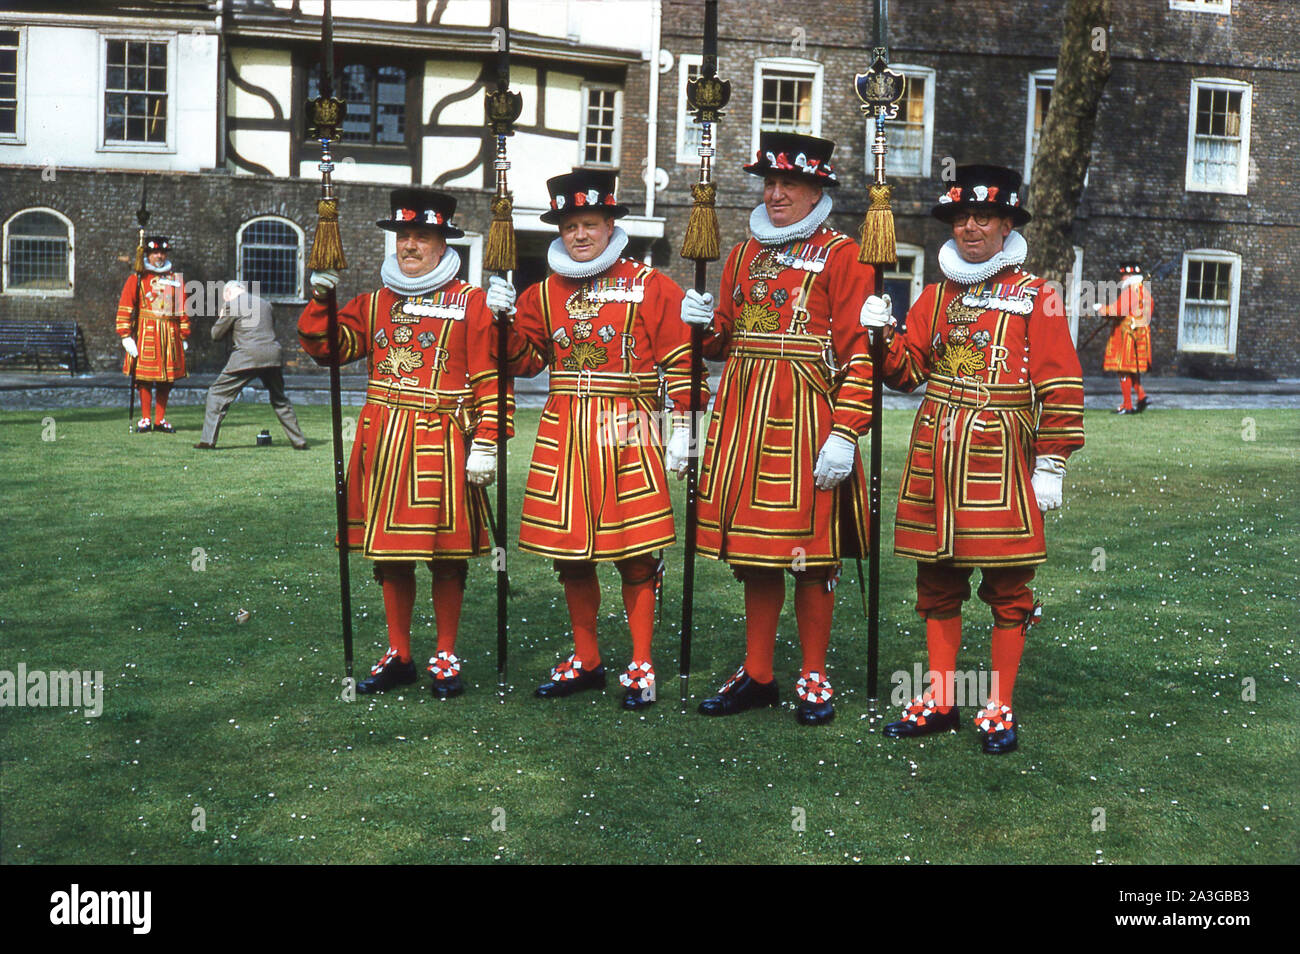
(639, 675)
(571, 668)
(994, 717)
(444, 666)
(814, 687)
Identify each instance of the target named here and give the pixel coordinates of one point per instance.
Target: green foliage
(1130, 698)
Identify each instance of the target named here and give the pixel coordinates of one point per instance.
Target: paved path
(30, 391)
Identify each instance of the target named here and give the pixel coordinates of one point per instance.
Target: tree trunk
(1065, 143)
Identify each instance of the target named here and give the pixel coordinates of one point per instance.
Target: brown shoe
(204, 445)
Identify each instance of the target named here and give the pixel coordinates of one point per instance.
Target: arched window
(269, 252)
(38, 253)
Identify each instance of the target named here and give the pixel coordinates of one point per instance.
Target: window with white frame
(38, 253)
(1202, 6)
(688, 130)
(788, 97)
(911, 134)
(1040, 98)
(12, 71)
(1218, 136)
(136, 98)
(1207, 309)
(270, 257)
(602, 106)
(903, 282)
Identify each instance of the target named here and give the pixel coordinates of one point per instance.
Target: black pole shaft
(503, 578)
(340, 482)
(873, 491)
(692, 504)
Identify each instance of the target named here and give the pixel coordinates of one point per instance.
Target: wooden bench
(43, 344)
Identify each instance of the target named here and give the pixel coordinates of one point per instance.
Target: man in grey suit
(256, 354)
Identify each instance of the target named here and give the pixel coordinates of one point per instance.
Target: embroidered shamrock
(606, 333)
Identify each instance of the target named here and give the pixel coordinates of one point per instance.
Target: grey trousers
(226, 388)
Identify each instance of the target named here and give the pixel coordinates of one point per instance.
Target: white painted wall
(272, 70)
(346, 170)
(64, 88)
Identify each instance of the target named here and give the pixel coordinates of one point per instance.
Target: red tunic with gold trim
(1129, 348)
(597, 487)
(160, 328)
(1003, 387)
(432, 387)
(797, 370)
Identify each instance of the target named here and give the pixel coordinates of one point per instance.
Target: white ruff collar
(162, 269)
(557, 256)
(957, 269)
(761, 227)
(441, 274)
(1129, 281)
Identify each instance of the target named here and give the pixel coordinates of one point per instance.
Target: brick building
(1192, 169)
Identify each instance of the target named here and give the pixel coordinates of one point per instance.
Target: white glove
(481, 465)
(500, 296)
(835, 462)
(129, 346)
(1047, 483)
(185, 345)
(877, 312)
(1098, 307)
(697, 309)
(322, 282)
(677, 453)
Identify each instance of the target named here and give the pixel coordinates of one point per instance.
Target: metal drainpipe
(652, 126)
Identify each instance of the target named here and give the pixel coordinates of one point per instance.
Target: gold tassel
(327, 246)
(139, 259)
(500, 255)
(702, 234)
(878, 247)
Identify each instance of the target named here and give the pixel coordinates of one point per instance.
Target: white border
(927, 135)
(1211, 255)
(72, 260)
(1243, 161)
(101, 89)
(19, 136)
(618, 127)
(239, 253)
(788, 64)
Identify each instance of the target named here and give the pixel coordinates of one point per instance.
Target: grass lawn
(1159, 689)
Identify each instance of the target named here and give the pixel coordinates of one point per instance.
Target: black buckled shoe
(639, 685)
(921, 718)
(569, 677)
(1142, 404)
(387, 673)
(164, 427)
(1125, 410)
(997, 725)
(739, 693)
(445, 670)
(143, 426)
